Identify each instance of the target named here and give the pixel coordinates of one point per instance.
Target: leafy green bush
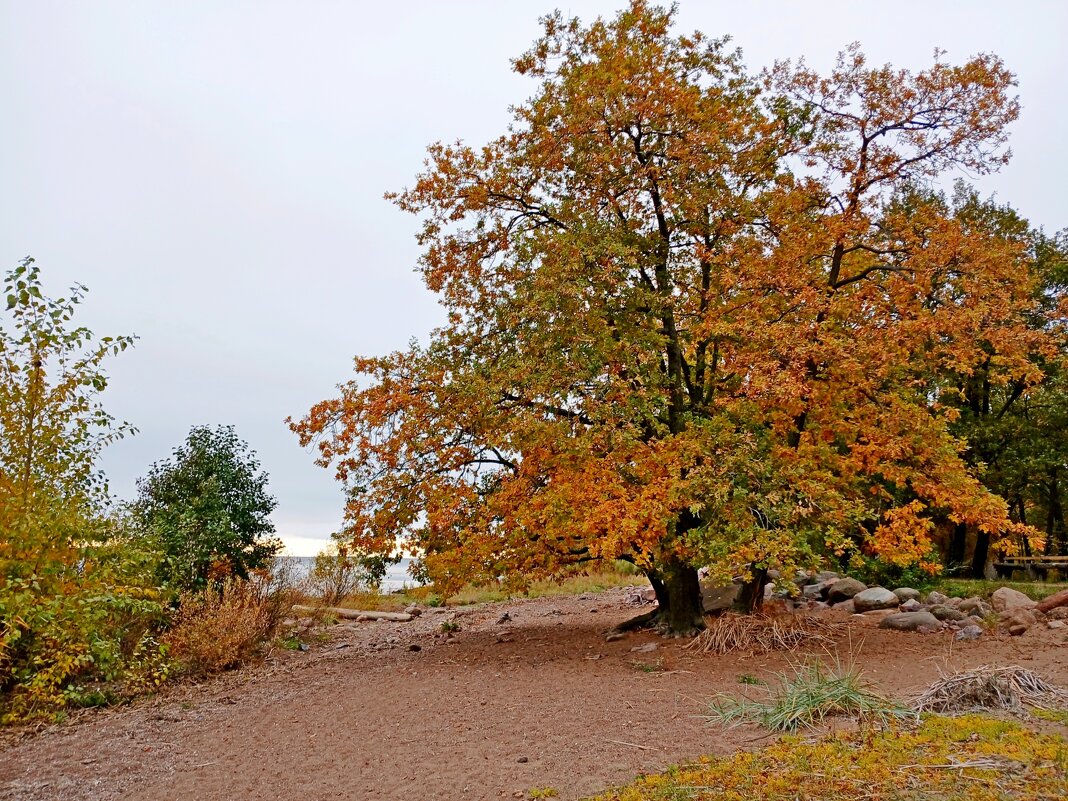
(77, 617)
(84, 646)
(879, 572)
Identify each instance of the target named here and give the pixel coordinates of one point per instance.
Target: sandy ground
(491, 711)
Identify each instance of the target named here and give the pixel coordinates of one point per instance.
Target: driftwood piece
(1053, 601)
(354, 614)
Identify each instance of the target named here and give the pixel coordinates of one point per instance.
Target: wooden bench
(1037, 567)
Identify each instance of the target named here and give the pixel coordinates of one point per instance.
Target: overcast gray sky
(214, 172)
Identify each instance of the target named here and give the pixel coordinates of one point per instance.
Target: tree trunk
(958, 544)
(751, 596)
(678, 593)
(1021, 511)
(1055, 531)
(982, 548)
(679, 609)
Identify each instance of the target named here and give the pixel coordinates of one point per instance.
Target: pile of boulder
(906, 609)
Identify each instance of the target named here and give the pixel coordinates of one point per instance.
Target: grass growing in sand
(971, 757)
(588, 581)
(966, 588)
(592, 581)
(805, 696)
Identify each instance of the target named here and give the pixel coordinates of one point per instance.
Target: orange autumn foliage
(694, 316)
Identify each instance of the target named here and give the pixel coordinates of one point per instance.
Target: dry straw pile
(762, 634)
(990, 687)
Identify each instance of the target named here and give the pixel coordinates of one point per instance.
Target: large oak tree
(693, 318)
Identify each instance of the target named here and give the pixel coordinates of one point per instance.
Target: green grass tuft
(805, 697)
(966, 588)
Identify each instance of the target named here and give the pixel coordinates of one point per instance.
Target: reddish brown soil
(480, 715)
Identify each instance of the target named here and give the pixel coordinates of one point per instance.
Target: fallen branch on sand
(632, 745)
(353, 614)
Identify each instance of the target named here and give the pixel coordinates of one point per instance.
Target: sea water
(397, 577)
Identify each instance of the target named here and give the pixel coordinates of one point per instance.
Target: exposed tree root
(638, 622)
(659, 623)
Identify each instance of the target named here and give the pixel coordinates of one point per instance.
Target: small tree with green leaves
(71, 607)
(207, 510)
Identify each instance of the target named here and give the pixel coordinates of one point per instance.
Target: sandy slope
(540, 701)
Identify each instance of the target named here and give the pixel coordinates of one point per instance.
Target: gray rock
(1017, 621)
(413, 610)
(1005, 599)
(719, 599)
(814, 592)
(875, 598)
(844, 589)
(844, 606)
(945, 612)
(1056, 624)
(638, 597)
(911, 605)
(911, 621)
(827, 576)
(1058, 613)
(907, 594)
(974, 606)
(954, 601)
(936, 599)
(968, 633)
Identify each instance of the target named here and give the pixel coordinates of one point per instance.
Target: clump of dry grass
(224, 626)
(990, 687)
(763, 633)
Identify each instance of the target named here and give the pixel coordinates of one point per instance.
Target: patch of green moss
(944, 759)
(1052, 715)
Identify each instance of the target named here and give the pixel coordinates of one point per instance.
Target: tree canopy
(695, 316)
